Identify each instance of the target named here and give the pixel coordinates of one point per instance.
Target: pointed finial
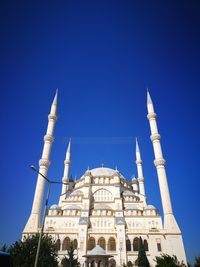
(137, 146)
(116, 168)
(68, 151)
(149, 100)
(69, 145)
(133, 177)
(88, 168)
(55, 98)
(102, 164)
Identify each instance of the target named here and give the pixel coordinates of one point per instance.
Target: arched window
(112, 263)
(75, 244)
(58, 244)
(146, 247)
(136, 244)
(91, 243)
(66, 243)
(103, 195)
(102, 242)
(111, 244)
(128, 245)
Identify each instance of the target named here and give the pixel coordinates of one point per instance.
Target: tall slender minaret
(65, 178)
(139, 170)
(33, 223)
(169, 219)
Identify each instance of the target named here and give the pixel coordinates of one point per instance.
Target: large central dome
(102, 171)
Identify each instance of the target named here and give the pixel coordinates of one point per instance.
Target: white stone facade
(104, 208)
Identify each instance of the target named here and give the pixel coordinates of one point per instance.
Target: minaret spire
(65, 178)
(169, 220)
(33, 223)
(139, 170)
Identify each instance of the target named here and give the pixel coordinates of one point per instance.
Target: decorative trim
(67, 162)
(155, 136)
(44, 162)
(152, 115)
(138, 161)
(115, 174)
(140, 179)
(159, 162)
(52, 117)
(48, 138)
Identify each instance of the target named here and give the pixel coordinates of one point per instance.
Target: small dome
(55, 207)
(97, 251)
(102, 171)
(150, 207)
(134, 180)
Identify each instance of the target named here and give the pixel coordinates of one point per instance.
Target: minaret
(169, 219)
(65, 178)
(139, 169)
(33, 223)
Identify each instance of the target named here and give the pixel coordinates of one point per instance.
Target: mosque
(103, 213)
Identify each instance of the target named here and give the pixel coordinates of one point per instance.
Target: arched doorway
(111, 244)
(136, 244)
(66, 243)
(128, 245)
(75, 244)
(146, 247)
(91, 243)
(112, 263)
(58, 244)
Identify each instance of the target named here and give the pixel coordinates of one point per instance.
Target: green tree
(129, 264)
(4, 248)
(197, 262)
(23, 252)
(70, 261)
(167, 261)
(142, 260)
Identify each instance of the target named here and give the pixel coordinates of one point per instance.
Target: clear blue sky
(102, 55)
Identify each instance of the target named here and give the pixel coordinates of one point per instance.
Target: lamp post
(45, 210)
(120, 255)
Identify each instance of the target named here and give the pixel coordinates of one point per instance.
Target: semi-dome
(128, 193)
(55, 207)
(77, 193)
(132, 207)
(72, 207)
(102, 207)
(102, 171)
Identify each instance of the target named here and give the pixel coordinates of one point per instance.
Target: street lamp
(45, 210)
(120, 255)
